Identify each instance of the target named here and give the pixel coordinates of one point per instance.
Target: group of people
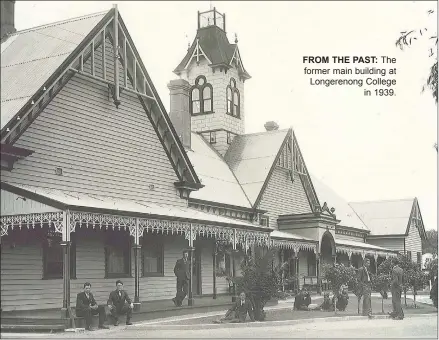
(303, 299)
(119, 303)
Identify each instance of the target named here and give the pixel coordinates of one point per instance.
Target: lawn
(290, 314)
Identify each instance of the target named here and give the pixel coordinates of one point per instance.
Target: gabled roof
(31, 56)
(252, 156)
(214, 42)
(220, 184)
(343, 211)
(390, 217)
(40, 61)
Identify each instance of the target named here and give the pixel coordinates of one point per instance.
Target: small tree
(338, 275)
(406, 265)
(357, 289)
(381, 284)
(415, 280)
(260, 281)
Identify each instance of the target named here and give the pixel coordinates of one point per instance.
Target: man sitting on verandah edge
(86, 306)
(120, 303)
(238, 312)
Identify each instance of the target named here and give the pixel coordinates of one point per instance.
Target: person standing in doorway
(396, 289)
(182, 272)
(364, 279)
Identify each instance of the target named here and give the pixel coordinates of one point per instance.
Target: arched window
(201, 97)
(233, 100)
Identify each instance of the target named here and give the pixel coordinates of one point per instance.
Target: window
(223, 261)
(312, 269)
(117, 254)
(229, 138)
(233, 100)
(264, 221)
(152, 255)
(212, 137)
(53, 254)
(201, 97)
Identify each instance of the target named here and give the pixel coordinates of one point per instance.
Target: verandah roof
(359, 247)
(96, 202)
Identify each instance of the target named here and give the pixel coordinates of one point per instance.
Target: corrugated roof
(220, 185)
(251, 157)
(385, 217)
(360, 245)
(102, 202)
(30, 57)
(343, 211)
(288, 236)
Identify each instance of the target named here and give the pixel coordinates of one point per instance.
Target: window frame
(212, 137)
(145, 242)
(45, 256)
(235, 108)
(264, 218)
(108, 244)
(201, 100)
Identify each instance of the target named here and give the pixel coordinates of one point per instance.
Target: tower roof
(215, 45)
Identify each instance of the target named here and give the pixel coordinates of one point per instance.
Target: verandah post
(190, 300)
(137, 250)
(65, 244)
(214, 267)
(319, 281)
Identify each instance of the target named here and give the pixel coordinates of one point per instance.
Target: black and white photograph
(219, 169)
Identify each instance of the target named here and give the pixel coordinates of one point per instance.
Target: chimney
(271, 126)
(7, 18)
(179, 111)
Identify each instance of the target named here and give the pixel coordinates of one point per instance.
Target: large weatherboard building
(99, 182)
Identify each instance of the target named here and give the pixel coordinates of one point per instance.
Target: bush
(260, 281)
(339, 275)
(433, 292)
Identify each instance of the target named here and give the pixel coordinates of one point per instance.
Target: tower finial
(236, 38)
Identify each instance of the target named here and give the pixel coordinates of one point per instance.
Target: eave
(10, 154)
(386, 236)
(226, 206)
(342, 227)
(307, 218)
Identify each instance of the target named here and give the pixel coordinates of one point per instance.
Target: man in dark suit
(182, 272)
(86, 306)
(238, 312)
(396, 289)
(120, 304)
(302, 300)
(364, 279)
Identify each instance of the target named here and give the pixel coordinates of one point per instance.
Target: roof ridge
(389, 200)
(263, 132)
(58, 23)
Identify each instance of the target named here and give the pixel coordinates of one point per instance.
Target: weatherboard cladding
(102, 150)
(281, 196)
(30, 57)
(413, 242)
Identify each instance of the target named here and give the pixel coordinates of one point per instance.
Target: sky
(363, 147)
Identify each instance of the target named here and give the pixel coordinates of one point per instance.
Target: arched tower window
(233, 100)
(201, 97)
